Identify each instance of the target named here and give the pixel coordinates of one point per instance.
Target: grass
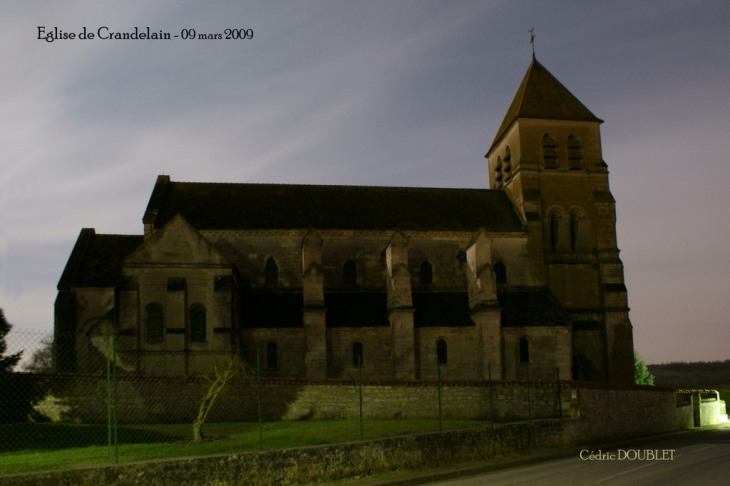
(40, 446)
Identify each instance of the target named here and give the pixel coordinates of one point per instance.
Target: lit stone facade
(522, 279)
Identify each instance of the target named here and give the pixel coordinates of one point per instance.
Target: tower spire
(532, 41)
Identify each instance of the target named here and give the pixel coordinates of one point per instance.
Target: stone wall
(592, 415)
(607, 411)
(611, 412)
(550, 349)
(322, 463)
(712, 411)
(460, 362)
(176, 400)
(376, 345)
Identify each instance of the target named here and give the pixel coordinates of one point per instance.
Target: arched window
(507, 164)
(442, 352)
(349, 273)
(574, 156)
(554, 231)
(549, 154)
(575, 219)
(425, 275)
(498, 174)
(271, 273)
(155, 324)
(197, 323)
(500, 271)
(357, 354)
(272, 358)
(524, 351)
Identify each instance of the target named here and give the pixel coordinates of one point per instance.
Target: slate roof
(216, 206)
(356, 309)
(96, 260)
(266, 308)
(533, 307)
(520, 308)
(441, 309)
(541, 95)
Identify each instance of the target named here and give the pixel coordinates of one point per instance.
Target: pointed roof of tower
(540, 95)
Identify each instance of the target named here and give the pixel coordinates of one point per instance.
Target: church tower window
(507, 165)
(549, 154)
(498, 174)
(575, 236)
(357, 354)
(349, 273)
(426, 273)
(197, 324)
(155, 324)
(574, 156)
(271, 273)
(554, 231)
(500, 271)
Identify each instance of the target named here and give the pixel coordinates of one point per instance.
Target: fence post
(258, 393)
(111, 400)
(560, 396)
(438, 366)
(114, 408)
(359, 385)
(491, 402)
(529, 407)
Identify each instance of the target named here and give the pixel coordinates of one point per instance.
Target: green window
(357, 354)
(155, 324)
(441, 352)
(524, 351)
(197, 323)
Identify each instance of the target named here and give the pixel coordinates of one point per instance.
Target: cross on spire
(532, 41)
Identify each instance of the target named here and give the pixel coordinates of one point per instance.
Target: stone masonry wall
(605, 411)
(321, 463)
(170, 400)
(610, 412)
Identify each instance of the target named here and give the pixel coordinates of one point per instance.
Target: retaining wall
(176, 400)
(598, 413)
(610, 412)
(323, 463)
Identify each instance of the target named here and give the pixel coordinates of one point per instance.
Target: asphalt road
(699, 458)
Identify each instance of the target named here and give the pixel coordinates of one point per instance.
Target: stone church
(521, 279)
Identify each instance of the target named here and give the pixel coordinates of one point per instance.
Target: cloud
(406, 93)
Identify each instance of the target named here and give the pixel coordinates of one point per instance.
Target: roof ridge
(332, 185)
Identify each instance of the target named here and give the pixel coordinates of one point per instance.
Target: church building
(521, 279)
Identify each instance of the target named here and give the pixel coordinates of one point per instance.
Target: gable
(96, 259)
(174, 244)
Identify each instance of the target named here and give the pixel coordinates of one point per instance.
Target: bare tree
(41, 361)
(222, 374)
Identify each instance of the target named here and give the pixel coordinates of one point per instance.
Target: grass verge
(51, 446)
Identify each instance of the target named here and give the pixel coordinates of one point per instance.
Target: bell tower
(547, 157)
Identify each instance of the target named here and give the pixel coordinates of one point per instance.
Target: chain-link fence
(90, 399)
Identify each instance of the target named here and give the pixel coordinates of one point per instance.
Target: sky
(395, 93)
